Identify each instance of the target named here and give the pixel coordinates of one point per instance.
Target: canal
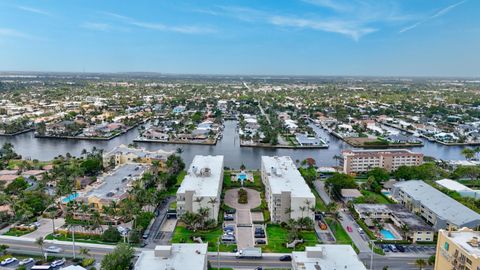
(229, 146)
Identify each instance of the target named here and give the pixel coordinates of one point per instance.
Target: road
(157, 223)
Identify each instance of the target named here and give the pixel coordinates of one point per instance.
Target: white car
(53, 249)
(8, 261)
(26, 261)
(58, 263)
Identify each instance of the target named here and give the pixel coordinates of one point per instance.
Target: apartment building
(359, 161)
(287, 194)
(202, 186)
(434, 206)
(326, 257)
(174, 257)
(458, 250)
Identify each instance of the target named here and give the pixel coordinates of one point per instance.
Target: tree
(85, 252)
(213, 201)
(421, 263)
(119, 259)
(338, 182)
(111, 235)
(468, 153)
(380, 174)
(40, 242)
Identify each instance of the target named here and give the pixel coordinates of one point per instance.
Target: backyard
(277, 239)
(183, 235)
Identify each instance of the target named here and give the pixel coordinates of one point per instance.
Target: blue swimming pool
(70, 197)
(386, 193)
(387, 235)
(242, 177)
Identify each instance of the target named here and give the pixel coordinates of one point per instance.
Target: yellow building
(123, 154)
(458, 250)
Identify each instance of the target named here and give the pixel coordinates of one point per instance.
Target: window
(446, 246)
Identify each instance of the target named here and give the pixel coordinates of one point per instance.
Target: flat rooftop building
(458, 250)
(287, 194)
(463, 190)
(201, 186)
(359, 161)
(113, 186)
(436, 207)
(327, 257)
(174, 257)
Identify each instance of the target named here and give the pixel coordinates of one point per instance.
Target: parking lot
(410, 250)
(14, 263)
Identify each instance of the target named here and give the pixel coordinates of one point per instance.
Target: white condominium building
(327, 257)
(202, 186)
(358, 161)
(286, 193)
(174, 257)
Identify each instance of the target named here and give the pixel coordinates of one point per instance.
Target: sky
(244, 37)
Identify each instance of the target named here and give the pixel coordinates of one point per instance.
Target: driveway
(243, 216)
(45, 228)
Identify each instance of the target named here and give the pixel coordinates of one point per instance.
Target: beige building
(359, 161)
(202, 186)
(287, 194)
(123, 154)
(458, 250)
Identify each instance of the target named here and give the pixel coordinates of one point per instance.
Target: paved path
(45, 228)
(347, 220)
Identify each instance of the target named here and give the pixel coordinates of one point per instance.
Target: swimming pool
(386, 193)
(242, 177)
(70, 197)
(387, 235)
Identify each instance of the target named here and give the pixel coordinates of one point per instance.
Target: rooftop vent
(473, 242)
(205, 172)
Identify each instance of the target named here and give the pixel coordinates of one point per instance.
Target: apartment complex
(326, 257)
(434, 206)
(286, 193)
(123, 154)
(176, 256)
(359, 161)
(458, 250)
(202, 186)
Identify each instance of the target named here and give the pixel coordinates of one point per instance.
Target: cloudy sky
(271, 37)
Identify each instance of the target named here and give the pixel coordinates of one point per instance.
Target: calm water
(45, 149)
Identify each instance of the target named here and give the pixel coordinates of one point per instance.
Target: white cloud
(7, 32)
(97, 26)
(184, 29)
(431, 17)
(331, 4)
(34, 10)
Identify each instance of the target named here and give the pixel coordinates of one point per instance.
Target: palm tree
(85, 252)
(468, 153)
(302, 208)
(213, 201)
(405, 231)
(421, 263)
(337, 158)
(40, 242)
(288, 211)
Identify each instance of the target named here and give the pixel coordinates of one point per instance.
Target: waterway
(229, 146)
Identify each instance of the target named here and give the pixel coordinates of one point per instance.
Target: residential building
(463, 190)
(360, 161)
(350, 194)
(395, 214)
(287, 194)
(327, 257)
(176, 256)
(113, 186)
(202, 186)
(458, 250)
(123, 154)
(434, 206)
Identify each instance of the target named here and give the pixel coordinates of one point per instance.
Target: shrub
(111, 235)
(242, 196)
(88, 262)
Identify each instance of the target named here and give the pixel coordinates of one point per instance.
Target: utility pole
(218, 253)
(371, 254)
(73, 238)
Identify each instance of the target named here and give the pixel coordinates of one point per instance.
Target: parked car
(53, 249)
(228, 217)
(400, 248)
(259, 230)
(392, 248)
(8, 261)
(260, 242)
(230, 211)
(385, 248)
(349, 229)
(285, 258)
(57, 263)
(259, 235)
(26, 261)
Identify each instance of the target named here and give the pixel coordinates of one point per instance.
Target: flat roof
(384, 152)
(452, 185)
(410, 219)
(350, 193)
(462, 238)
(438, 202)
(116, 183)
(284, 176)
(182, 257)
(203, 176)
(329, 257)
(140, 152)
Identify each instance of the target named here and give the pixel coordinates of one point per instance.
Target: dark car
(259, 230)
(259, 235)
(230, 211)
(228, 217)
(285, 258)
(400, 248)
(260, 242)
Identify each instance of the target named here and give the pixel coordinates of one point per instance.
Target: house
(350, 194)
(305, 140)
(123, 154)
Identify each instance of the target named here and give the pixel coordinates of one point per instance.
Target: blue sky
(271, 37)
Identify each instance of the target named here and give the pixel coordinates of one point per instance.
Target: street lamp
(73, 240)
(218, 253)
(372, 243)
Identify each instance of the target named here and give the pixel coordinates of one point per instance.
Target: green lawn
(319, 204)
(94, 239)
(257, 181)
(180, 177)
(378, 197)
(277, 239)
(183, 235)
(340, 234)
